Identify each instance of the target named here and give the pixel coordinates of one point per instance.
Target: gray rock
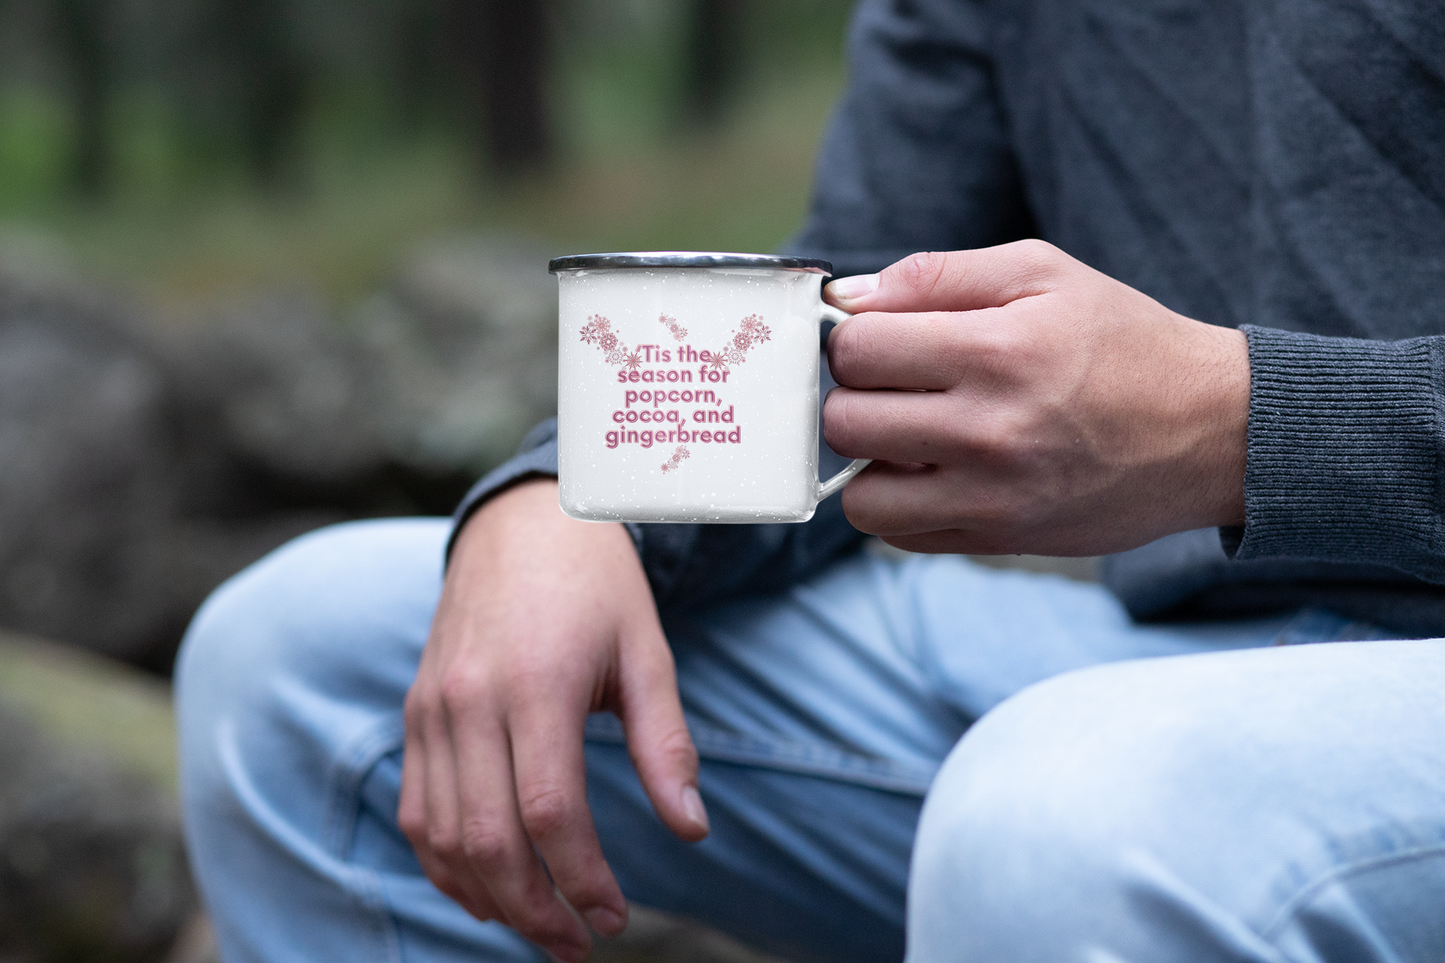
(90, 467)
(275, 385)
(119, 510)
(91, 859)
(466, 335)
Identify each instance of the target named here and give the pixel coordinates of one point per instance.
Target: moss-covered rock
(92, 865)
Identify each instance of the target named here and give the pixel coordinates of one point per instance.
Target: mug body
(688, 387)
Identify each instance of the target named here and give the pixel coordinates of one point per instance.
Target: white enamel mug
(687, 387)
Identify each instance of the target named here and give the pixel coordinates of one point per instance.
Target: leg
(821, 716)
(289, 690)
(1277, 805)
(289, 695)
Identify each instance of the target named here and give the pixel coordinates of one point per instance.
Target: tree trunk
(500, 48)
(274, 85)
(81, 26)
(714, 58)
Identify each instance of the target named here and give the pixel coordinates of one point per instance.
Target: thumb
(989, 277)
(658, 740)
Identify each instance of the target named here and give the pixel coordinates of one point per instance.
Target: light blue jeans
(1134, 793)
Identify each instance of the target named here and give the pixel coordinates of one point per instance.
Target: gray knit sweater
(1276, 165)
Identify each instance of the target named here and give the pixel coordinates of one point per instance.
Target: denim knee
(315, 608)
(1082, 820)
(327, 627)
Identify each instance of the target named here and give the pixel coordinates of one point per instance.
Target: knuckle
(443, 841)
(546, 812)
(853, 347)
(1038, 260)
(993, 440)
(459, 690)
(677, 748)
(860, 510)
(837, 421)
(922, 272)
(482, 843)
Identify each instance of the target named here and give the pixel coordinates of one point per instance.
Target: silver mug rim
(687, 259)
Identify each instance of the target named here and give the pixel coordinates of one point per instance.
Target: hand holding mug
(1015, 400)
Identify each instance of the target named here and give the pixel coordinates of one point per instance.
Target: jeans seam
(1333, 875)
(355, 759)
(353, 762)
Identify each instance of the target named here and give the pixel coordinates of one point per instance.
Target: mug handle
(835, 484)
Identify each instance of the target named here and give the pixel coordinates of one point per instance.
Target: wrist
(1220, 409)
(524, 526)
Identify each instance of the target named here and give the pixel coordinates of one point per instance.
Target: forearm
(689, 565)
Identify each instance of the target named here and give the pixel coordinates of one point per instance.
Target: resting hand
(542, 619)
(1016, 400)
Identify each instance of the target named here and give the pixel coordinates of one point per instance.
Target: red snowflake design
(596, 327)
(598, 331)
(678, 331)
(749, 333)
(679, 454)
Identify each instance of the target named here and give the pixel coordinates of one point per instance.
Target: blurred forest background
(271, 264)
(193, 146)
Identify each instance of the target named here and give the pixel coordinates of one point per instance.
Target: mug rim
(687, 259)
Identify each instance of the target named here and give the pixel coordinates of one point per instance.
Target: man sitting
(1233, 381)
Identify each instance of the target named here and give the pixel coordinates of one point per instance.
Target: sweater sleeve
(918, 156)
(690, 565)
(1344, 457)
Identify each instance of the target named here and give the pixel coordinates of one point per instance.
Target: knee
(1059, 808)
(304, 618)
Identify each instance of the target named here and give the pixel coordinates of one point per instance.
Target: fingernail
(692, 805)
(851, 288)
(605, 921)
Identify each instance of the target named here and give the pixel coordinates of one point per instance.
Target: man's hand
(1015, 400)
(542, 619)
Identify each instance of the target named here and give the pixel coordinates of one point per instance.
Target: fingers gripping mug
(688, 387)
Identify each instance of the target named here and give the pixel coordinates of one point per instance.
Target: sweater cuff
(1343, 456)
(535, 458)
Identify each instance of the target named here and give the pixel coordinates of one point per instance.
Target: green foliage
(384, 157)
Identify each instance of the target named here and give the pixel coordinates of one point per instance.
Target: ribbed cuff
(1344, 453)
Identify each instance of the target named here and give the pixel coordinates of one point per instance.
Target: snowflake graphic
(678, 331)
(679, 454)
(598, 331)
(755, 331)
(749, 333)
(595, 329)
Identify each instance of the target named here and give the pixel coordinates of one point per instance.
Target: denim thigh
(821, 715)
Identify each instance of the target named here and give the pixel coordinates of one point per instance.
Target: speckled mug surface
(687, 387)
